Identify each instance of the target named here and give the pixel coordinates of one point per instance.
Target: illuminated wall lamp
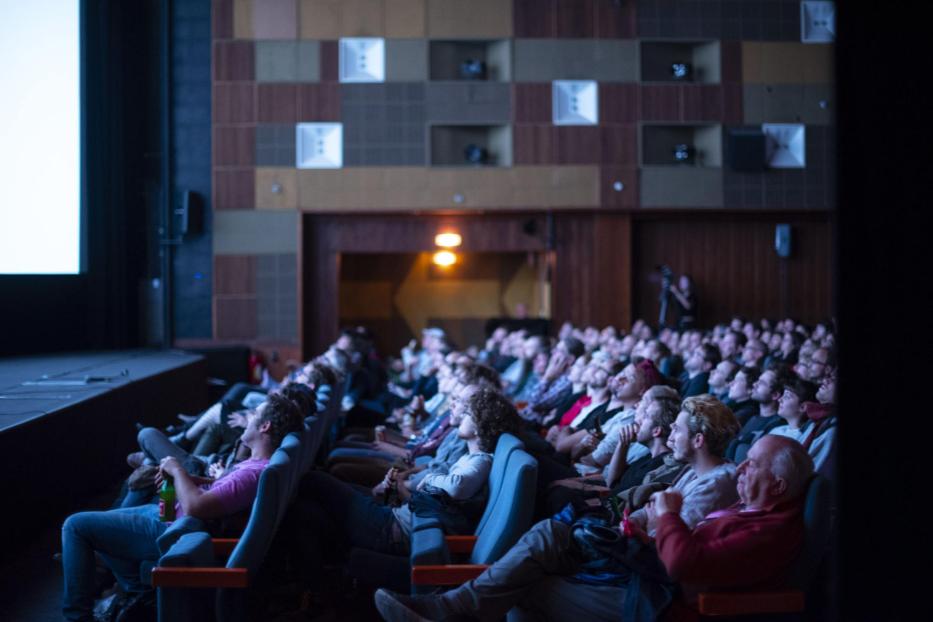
(448, 240)
(444, 258)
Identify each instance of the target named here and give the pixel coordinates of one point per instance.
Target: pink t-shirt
(235, 490)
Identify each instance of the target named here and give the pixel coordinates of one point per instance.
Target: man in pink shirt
(126, 537)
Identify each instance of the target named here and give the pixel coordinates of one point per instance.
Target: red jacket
(733, 548)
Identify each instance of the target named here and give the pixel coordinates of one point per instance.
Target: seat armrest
(460, 544)
(200, 577)
(744, 603)
(425, 522)
(428, 547)
(446, 574)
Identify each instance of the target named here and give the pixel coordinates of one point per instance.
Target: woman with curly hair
(334, 513)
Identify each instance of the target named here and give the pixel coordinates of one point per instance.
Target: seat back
(510, 513)
(272, 498)
(817, 518)
(505, 446)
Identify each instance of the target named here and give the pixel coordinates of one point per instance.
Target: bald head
(777, 469)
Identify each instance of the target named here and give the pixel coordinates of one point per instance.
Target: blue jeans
(335, 515)
(125, 537)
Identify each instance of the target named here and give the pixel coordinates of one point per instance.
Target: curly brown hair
(283, 416)
(493, 415)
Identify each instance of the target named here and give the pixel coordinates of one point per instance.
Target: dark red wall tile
(615, 20)
(222, 19)
(277, 103)
(319, 102)
(575, 18)
(619, 145)
(233, 103)
(531, 103)
(534, 144)
(235, 318)
(711, 102)
(534, 18)
(329, 60)
(234, 146)
(732, 103)
(234, 188)
(609, 196)
(618, 103)
(234, 60)
(578, 145)
(660, 102)
(691, 98)
(235, 275)
(731, 60)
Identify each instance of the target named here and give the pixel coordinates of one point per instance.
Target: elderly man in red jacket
(747, 546)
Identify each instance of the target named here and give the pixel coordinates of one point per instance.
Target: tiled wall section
(275, 64)
(755, 20)
(383, 124)
(255, 297)
(812, 187)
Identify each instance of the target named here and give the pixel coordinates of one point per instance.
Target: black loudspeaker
(189, 216)
(746, 150)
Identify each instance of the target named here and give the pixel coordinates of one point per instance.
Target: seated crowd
(695, 447)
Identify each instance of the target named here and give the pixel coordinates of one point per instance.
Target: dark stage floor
(35, 386)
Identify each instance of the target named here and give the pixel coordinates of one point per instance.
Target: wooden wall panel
(593, 256)
(733, 262)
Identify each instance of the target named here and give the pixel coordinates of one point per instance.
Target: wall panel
(736, 269)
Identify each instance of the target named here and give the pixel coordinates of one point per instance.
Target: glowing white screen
(40, 164)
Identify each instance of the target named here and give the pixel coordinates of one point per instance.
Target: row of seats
(191, 558)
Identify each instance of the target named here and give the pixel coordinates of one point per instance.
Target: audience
(676, 426)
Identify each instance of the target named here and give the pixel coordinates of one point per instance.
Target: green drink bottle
(167, 500)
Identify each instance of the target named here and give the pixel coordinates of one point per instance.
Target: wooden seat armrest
(199, 577)
(743, 603)
(449, 574)
(460, 544)
(224, 546)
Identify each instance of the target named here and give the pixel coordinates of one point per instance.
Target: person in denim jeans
(127, 537)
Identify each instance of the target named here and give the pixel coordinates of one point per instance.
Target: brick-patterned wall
(275, 64)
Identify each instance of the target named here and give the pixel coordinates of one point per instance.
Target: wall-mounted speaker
(745, 150)
(782, 240)
(189, 215)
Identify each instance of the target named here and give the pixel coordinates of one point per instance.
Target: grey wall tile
(465, 102)
(276, 61)
(788, 103)
(255, 232)
(675, 186)
(275, 145)
(288, 61)
(543, 60)
(276, 296)
(406, 60)
(384, 125)
(308, 61)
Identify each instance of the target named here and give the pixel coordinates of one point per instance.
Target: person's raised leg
(543, 551)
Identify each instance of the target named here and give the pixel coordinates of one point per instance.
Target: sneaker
(396, 607)
(136, 459)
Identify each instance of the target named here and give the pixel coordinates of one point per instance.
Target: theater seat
(503, 524)
(428, 546)
(192, 563)
(817, 518)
